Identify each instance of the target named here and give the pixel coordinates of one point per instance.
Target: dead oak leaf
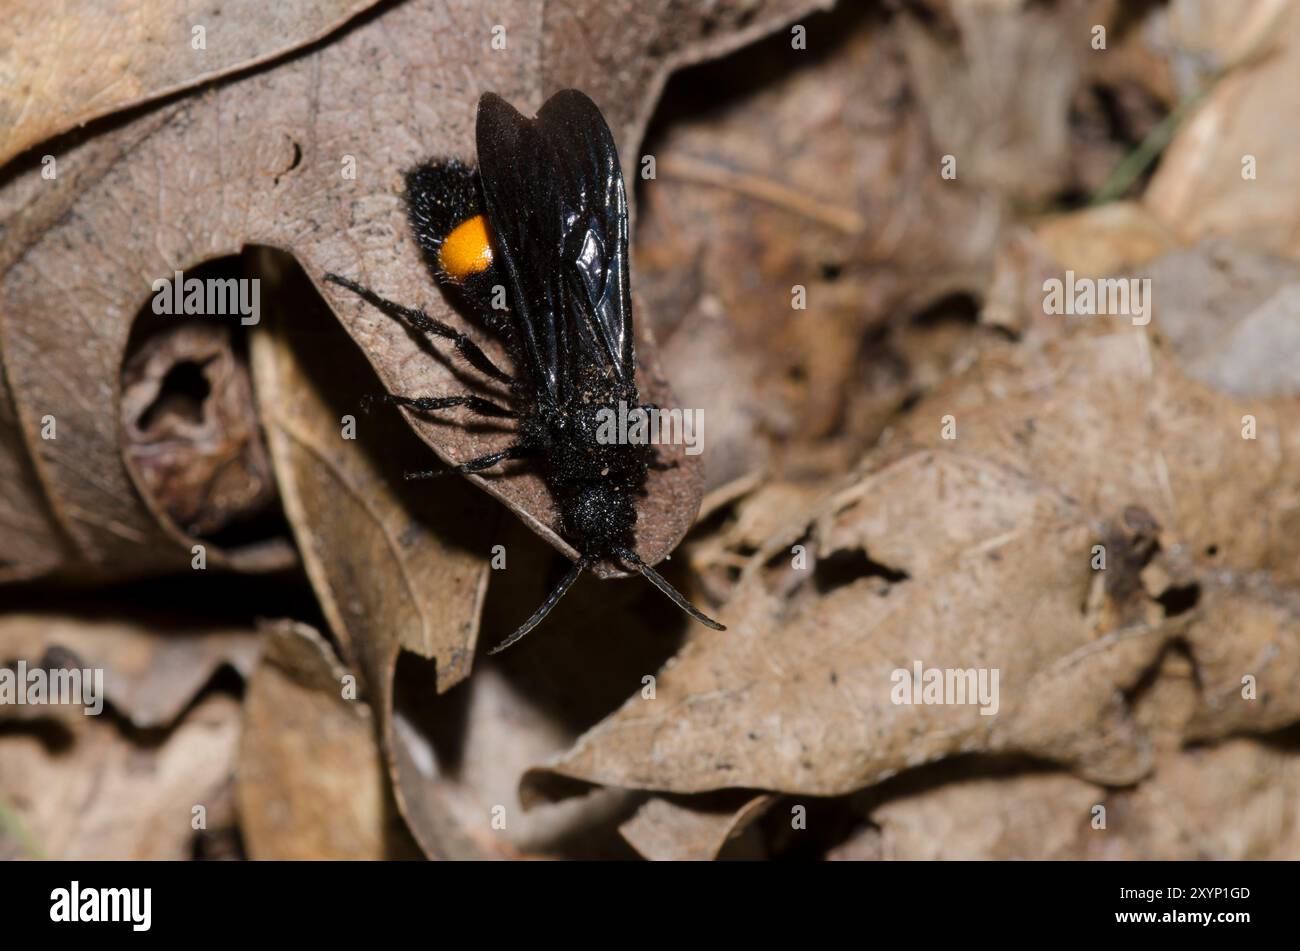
(985, 568)
(310, 782)
(63, 66)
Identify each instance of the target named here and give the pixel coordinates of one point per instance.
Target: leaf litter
(848, 535)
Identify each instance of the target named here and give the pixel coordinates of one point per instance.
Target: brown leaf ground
(920, 466)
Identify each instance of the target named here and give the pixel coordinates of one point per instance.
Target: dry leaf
(1008, 450)
(470, 748)
(1236, 801)
(1102, 241)
(396, 565)
(154, 667)
(1032, 816)
(802, 172)
(691, 829)
(981, 557)
(1113, 423)
(1231, 169)
(473, 743)
(63, 67)
(1232, 802)
(997, 80)
(311, 781)
(93, 788)
(796, 697)
(1232, 316)
(768, 509)
(1246, 636)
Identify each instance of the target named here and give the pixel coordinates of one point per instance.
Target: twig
(688, 168)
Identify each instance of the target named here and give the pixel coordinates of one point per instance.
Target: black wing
(558, 212)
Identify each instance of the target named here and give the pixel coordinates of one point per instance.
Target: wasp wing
(555, 201)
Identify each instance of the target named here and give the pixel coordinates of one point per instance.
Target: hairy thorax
(596, 480)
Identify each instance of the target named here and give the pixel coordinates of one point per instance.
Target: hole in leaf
(846, 566)
(1179, 599)
(182, 394)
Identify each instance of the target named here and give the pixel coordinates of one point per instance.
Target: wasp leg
(422, 321)
(425, 404)
(474, 465)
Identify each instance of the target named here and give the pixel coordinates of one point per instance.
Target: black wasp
(545, 218)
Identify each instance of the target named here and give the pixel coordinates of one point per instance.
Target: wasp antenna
(660, 582)
(565, 584)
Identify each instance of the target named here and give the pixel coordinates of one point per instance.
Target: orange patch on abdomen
(467, 250)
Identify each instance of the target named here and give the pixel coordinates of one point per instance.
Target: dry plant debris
(1000, 581)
